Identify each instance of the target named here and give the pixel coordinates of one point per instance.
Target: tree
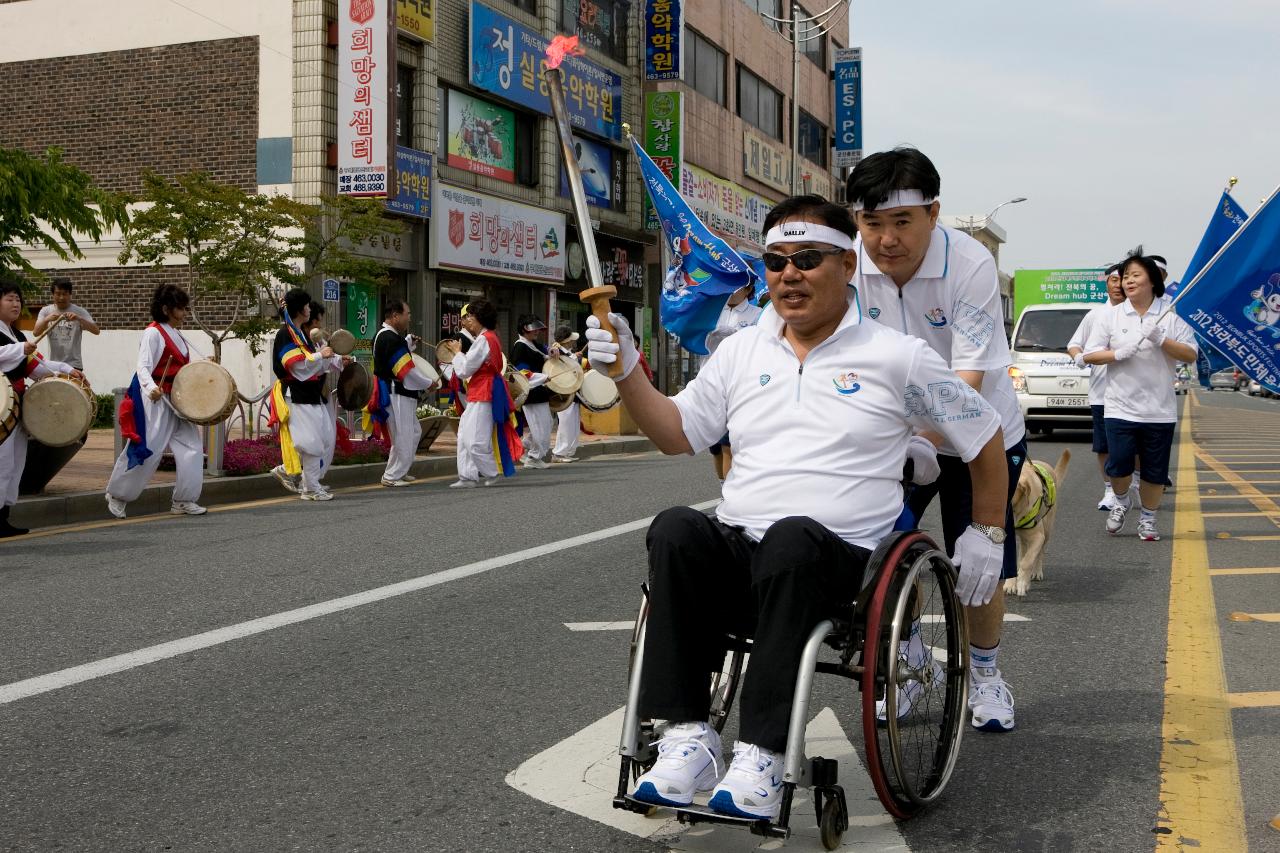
(49, 203)
(334, 226)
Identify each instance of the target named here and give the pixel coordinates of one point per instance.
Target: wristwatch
(995, 534)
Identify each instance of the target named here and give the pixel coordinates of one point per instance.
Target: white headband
(1161, 265)
(898, 198)
(801, 231)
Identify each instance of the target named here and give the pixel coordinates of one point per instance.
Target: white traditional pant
(475, 442)
(405, 431)
(567, 432)
(313, 429)
(538, 440)
(164, 429)
(332, 437)
(13, 460)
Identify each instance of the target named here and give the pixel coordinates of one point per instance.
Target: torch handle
(598, 299)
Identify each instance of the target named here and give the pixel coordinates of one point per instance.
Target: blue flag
(704, 270)
(1234, 303)
(1227, 217)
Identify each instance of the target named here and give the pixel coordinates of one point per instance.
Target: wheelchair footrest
(692, 814)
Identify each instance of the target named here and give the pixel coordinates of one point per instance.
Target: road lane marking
(1200, 800)
(1247, 570)
(580, 775)
(624, 625)
(1266, 699)
(1241, 616)
(1262, 538)
(141, 657)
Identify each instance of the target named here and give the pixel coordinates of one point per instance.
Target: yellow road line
(1262, 538)
(1200, 800)
(1239, 495)
(1265, 699)
(1258, 498)
(1262, 471)
(1248, 570)
(1270, 516)
(1206, 483)
(1254, 617)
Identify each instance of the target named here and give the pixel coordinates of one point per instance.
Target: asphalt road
(391, 722)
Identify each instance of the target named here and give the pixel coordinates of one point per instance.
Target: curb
(91, 506)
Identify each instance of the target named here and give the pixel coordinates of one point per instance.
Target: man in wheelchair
(824, 407)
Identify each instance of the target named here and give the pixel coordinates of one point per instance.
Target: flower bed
(245, 456)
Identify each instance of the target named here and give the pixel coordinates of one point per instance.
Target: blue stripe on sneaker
(647, 793)
(723, 803)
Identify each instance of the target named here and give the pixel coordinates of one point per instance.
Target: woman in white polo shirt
(1141, 344)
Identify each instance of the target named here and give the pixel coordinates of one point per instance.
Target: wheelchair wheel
(922, 682)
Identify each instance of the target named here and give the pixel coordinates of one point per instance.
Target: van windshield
(1047, 331)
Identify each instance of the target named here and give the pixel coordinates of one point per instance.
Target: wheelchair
(909, 754)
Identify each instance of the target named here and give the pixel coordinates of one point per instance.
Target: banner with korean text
(479, 233)
(413, 184)
(729, 209)
(663, 50)
(848, 74)
(663, 115)
(1038, 287)
(507, 59)
(366, 43)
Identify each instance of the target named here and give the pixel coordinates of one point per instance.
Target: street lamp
(975, 224)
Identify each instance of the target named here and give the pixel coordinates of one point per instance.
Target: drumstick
(49, 328)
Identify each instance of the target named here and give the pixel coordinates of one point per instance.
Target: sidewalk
(76, 493)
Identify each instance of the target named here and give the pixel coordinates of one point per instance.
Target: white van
(1051, 390)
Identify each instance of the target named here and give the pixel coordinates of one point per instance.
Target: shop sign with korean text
(662, 141)
(604, 174)
(663, 49)
(483, 234)
(413, 183)
(507, 59)
(848, 75)
(366, 52)
(361, 310)
(1041, 287)
(482, 137)
(414, 18)
(731, 210)
(767, 163)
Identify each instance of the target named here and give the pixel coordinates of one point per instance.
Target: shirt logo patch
(846, 383)
(936, 318)
(764, 379)
(874, 312)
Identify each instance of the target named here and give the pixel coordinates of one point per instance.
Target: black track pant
(708, 579)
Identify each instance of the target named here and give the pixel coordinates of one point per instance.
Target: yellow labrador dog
(1035, 505)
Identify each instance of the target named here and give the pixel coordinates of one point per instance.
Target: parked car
(1256, 390)
(1229, 379)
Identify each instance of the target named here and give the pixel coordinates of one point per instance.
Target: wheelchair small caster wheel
(834, 820)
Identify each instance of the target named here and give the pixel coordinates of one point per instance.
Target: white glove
(1126, 351)
(1080, 360)
(603, 351)
(979, 561)
(537, 379)
(924, 460)
(1153, 331)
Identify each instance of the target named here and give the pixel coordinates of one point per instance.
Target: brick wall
(172, 109)
(120, 297)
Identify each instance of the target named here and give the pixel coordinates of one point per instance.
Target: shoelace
(747, 756)
(996, 692)
(674, 740)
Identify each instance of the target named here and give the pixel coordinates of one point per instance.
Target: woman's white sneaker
(688, 761)
(753, 785)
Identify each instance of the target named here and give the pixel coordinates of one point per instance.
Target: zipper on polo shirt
(902, 312)
(799, 378)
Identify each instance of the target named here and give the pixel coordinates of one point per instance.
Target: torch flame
(560, 47)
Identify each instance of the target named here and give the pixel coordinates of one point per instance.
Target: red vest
(171, 361)
(480, 385)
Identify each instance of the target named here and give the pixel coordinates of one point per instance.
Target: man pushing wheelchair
(824, 407)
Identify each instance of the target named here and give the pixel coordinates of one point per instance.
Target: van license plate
(1068, 401)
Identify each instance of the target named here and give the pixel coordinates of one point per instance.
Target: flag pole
(1208, 266)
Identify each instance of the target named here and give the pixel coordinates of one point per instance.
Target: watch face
(576, 259)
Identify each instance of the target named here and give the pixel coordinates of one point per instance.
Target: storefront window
(599, 24)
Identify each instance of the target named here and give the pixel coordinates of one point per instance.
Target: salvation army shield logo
(361, 11)
(457, 228)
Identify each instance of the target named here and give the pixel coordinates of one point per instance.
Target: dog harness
(1044, 503)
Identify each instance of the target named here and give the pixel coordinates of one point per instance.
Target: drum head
(444, 351)
(342, 342)
(203, 393)
(354, 387)
(423, 365)
(518, 385)
(58, 411)
(564, 374)
(598, 393)
(560, 402)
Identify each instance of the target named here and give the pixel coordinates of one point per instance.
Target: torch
(598, 294)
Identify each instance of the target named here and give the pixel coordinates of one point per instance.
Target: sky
(1119, 120)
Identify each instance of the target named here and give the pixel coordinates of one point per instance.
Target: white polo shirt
(1140, 388)
(1097, 372)
(827, 439)
(953, 304)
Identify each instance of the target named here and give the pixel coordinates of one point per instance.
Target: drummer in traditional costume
(148, 421)
(307, 428)
(313, 329)
(457, 388)
(487, 440)
(528, 355)
(394, 405)
(568, 419)
(21, 365)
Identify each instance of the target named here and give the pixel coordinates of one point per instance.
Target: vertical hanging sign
(365, 36)
(848, 74)
(662, 142)
(663, 49)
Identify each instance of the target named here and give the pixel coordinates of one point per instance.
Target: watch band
(995, 534)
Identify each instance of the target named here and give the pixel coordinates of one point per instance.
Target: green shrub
(106, 414)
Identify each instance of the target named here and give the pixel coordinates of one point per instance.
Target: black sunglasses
(805, 259)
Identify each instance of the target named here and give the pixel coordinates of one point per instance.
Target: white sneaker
(464, 484)
(186, 508)
(564, 459)
(290, 482)
(688, 761)
(1115, 521)
(1147, 530)
(115, 506)
(753, 785)
(991, 704)
(493, 481)
(535, 462)
(317, 495)
(394, 484)
(408, 478)
(1108, 500)
(914, 691)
